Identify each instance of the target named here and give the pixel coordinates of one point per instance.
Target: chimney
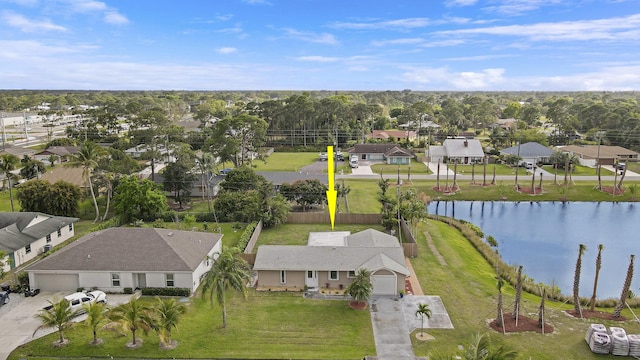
(466, 143)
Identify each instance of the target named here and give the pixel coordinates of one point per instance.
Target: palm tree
(423, 310)
(87, 158)
(95, 317)
(106, 180)
(229, 271)
(625, 289)
(500, 318)
(8, 163)
(168, 311)
(361, 287)
(133, 316)
(592, 302)
(516, 307)
(59, 316)
(481, 349)
(541, 309)
(576, 281)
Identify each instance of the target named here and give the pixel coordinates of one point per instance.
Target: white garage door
(57, 282)
(384, 284)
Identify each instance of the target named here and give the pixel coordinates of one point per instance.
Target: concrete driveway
(18, 321)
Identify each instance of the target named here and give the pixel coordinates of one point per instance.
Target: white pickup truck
(353, 161)
(76, 300)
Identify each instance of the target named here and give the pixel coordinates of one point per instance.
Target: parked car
(620, 166)
(323, 156)
(76, 300)
(225, 171)
(353, 161)
(4, 297)
(339, 156)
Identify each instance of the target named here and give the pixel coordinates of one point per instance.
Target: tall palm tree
(229, 271)
(168, 312)
(87, 158)
(500, 318)
(576, 280)
(361, 287)
(592, 302)
(625, 289)
(133, 316)
(95, 317)
(8, 163)
(516, 307)
(423, 310)
(59, 316)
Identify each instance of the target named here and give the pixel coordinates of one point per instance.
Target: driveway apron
(390, 331)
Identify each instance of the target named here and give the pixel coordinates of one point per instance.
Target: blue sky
(457, 45)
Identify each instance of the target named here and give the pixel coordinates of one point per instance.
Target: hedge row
(246, 235)
(152, 291)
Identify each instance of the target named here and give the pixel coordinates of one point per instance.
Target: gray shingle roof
(371, 148)
(529, 150)
(133, 249)
(372, 238)
(463, 148)
(15, 232)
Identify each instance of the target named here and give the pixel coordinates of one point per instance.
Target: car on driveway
(76, 300)
(324, 156)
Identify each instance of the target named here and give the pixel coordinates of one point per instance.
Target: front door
(311, 280)
(141, 280)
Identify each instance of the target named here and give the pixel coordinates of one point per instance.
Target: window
(27, 248)
(351, 274)
(59, 232)
(48, 238)
(115, 279)
(283, 277)
(333, 275)
(168, 280)
(70, 227)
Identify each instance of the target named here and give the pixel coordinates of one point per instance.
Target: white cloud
(402, 41)
(237, 29)
(460, 2)
(464, 80)
(407, 23)
(26, 49)
(476, 58)
(226, 50)
(257, 2)
(319, 38)
(27, 25)
(115, 18)
(619, 28)
(82, 6)
(317, 58)
(28, 3)
(519, 7)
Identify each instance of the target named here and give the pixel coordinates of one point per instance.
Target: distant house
(588, 154)
(388, 153)
(73, 175)
(25, 235)
(462, 151)
(137, 151)
(277, 178)
(530, 152)
(62, 152)
(393, 135)
(331, 260)
(119, 258)
(18, 151)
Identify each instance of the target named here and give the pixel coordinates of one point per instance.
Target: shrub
(166, 291)
(246, 235)
(127, 290)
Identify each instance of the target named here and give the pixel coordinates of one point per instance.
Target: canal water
(544, 237)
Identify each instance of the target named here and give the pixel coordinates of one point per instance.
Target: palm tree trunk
(625, 289)
(500, 319)
(421, 324)
(541, 310)
(61, 337)
(437, 180)
(106, 210)
(93, 196)
(224, 313)
(516, 308)
(134, 337)
(576, 282)
(592, 302)
(10, 192)
(95, 336)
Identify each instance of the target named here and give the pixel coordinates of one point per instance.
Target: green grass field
(416, 167)
(285, 161)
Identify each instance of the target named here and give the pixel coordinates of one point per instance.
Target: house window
(48, 238)
(115, 279)
(70, 227)
(59, 232)
(168, 280)
(283, 277)
(333, 275)
(27, 248)
(351, 274)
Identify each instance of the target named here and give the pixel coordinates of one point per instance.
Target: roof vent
(88, 256)
(170, 234)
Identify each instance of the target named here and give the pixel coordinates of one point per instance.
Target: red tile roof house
(119, 258)
(388, 153)
(331, 260)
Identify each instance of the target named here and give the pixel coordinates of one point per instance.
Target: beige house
(331, 260)
(119, 258)
(588, 154)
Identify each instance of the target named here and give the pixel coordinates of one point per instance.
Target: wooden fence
(410, 246)
(254, 238)
(319, 218)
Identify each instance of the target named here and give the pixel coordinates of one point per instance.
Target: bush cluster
(246, 235)
(152, 291)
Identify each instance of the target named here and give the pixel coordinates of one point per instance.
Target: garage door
(384, 284)
(57, 282)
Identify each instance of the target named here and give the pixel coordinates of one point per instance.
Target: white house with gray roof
(331, 260)
(530, 152)
(118, 258)
(462, 151)
(25, 235)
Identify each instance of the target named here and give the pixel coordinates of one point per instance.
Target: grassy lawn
(467, 288)
(5, 201)
(479, 170)
(298, 234)
(285, 161)
(363, 198)
(264, 326)
(579, 170)
(416, 167)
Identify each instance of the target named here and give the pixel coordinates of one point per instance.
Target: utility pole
(399, 219)
(4, 136)
(518, 162)
(598, 159)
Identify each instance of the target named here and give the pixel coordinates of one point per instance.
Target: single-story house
(62, 152)
(18, 151)
(462, 151)
(393, 134)
(137, 151)
(73, 175)
(423, 124)
(588, 154)
(118, 258)
(530, 152)
(331, 260)
(25, 235)
(389, 153)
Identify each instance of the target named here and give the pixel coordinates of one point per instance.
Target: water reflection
(544, 238)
